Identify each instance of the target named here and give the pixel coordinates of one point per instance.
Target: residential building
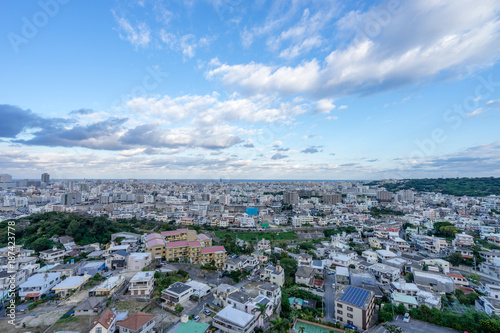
(138, 322)
(215, 254)
(463, 240)
(108, 287)
(222, 292)
(91, 267)
(385, 274)
(274, 275)
(105, 323)
(304, 275)
(263, 244)
(458, 278)
(231, 320)
(142, 284)
(38, 284)
(52, 256)
(176, 293)
(409, 302)
(136, 261)
(70, 284)
(355, 306)
(199, 289)
(90, 306)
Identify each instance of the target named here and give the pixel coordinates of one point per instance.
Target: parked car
(352, 327)
(206, 312)
(406, 318)
(320, 290)
(196, 318)
(243, 289)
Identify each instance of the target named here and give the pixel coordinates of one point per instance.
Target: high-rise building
(45, 178)
(5, 178)
(384, 196)
(332, 199)
(291, 198)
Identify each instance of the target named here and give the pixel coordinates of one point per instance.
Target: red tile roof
(135, 321)
(212, 249)
(194, 244)
(173, 232)
(106, 319)
(178, 243)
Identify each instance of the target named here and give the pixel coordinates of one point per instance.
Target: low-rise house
(239, 300)
(52, 256)
(458, 278)
(263, 245)
(142, 284)
(385, 274)
(409, 302)
(38, 284)
(343, 276)
(437, 282)
(67, 269)
(176, 293)
(272, 292)
(259, 255)
(355, 306)
(231, 320)
(117, 259)
(340, 259)
(304, 275)
(274, 275)
(386, 255)
(108, 287)
(91, 267)
(70, 284)
(105, 323)
(136, 261)
(90, 306)
(138, 322)
(402, 287)
(200, 289)
(222, 292)
(488, 305)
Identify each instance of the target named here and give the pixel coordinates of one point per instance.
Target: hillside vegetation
(478, 187)
(84, 229)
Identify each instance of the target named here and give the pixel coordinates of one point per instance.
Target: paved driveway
(414, 326)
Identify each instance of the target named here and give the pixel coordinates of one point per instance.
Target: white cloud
(140, 36)
(451, 37)
(474, 113)
(187, 44)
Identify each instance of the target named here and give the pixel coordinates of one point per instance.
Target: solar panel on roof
(355, 296)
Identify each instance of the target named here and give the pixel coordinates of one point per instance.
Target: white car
(406, 318)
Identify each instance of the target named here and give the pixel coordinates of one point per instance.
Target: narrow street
(329, 298)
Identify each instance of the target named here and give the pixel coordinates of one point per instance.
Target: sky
(237, 89)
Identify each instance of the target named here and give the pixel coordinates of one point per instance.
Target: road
(414, 326)
(329, 298)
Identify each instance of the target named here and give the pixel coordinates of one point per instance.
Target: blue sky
(236, 90)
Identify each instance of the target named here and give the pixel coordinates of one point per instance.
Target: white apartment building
(52, 256)
(39, 284)
(142, 284)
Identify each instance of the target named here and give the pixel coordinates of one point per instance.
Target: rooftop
(38, 279)
(178, 288)
(72, 282)
(356, 296)
(142, 276)
(402, 298)
(192, 327)
(136, 320)
(235, 316)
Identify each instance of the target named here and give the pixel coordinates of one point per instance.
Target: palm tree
(301, 329)
(280, 325)
(261, 308)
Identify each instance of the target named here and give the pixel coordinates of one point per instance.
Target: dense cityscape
(230, 166)
(240, 256)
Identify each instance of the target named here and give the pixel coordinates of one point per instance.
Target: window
(350, 322)
(339, 305)
(349, 308)
(339, 311)
(349, 315)
(98, 330)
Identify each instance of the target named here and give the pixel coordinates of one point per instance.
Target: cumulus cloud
(15, 120)
(311, 150)
(278, 156)
(448, 39)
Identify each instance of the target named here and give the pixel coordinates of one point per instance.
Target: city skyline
(270, 90)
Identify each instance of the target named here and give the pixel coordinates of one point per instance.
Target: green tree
(392, 328)
(455, 258)
(280, 325)
(178, 308)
